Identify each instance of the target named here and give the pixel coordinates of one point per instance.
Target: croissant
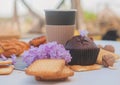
(13, 46)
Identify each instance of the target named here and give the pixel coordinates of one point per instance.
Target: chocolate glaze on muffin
(83, 50)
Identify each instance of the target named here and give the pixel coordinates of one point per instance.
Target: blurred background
(26, 18)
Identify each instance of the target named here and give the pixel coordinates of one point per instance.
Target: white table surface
(104, 76)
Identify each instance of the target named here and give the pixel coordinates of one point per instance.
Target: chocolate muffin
(83, 50)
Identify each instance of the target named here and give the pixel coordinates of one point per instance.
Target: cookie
(7, 62)
(103, 52)
(65, 73)
(38, 41)
(46, 67)
(41, 79)
(5, 70)
(109, 48)
(85, 68)
(108, 60)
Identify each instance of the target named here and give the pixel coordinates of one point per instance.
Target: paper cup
(60, 25)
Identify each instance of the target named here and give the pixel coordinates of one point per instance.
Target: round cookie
(109, 48)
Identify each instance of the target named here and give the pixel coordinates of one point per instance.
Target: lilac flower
(3, 57)
(50, 50)
(13, 57)
(83, 33)
(30, 56)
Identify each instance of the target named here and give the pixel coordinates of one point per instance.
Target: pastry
(44, 79)
(38, 41)
(1, 50)
(49, 69)
(109, 48)
(108, 60)
(62, 76)
(102, 53)
(48, 62)
(10, 49)
(85, 68)
(83, 50)
(7, 62)
(45, 67)
(13, 46)
(6, 66)
(5, 70)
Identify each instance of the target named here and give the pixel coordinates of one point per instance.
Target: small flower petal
(13, 57)
(3, 57)
(83, 33)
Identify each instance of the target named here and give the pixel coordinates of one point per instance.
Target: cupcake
(82, 49)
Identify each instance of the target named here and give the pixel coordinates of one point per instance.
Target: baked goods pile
(105, 56)
(80, 54)
(13, 46)
(9, 49)
(48, 62)
(53, 61)
(85, 54)
(6, 65)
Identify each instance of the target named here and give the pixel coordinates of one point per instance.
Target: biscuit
(5, 70)
(108, 60)
(7, 62)
(109, 48)
(65, 73)
(38, 41)
(85, 68)
(46, 67)
(41, 79)
(103, 52)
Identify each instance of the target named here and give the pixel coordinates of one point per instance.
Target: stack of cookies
(6, 67)
(49, 69)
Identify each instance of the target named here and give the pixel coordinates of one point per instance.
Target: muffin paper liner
(84, 56)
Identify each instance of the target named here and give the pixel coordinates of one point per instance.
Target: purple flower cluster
(83, 33)
(50, 50)
(13, 58)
